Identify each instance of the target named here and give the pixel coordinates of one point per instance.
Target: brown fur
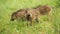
(18, 14)
(44, 9)
(31, 14)
(38, 11)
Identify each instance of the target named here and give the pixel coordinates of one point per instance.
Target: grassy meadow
(7, 7)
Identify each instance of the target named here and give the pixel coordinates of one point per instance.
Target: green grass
(20, 27)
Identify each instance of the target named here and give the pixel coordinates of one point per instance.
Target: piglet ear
(27, 9)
